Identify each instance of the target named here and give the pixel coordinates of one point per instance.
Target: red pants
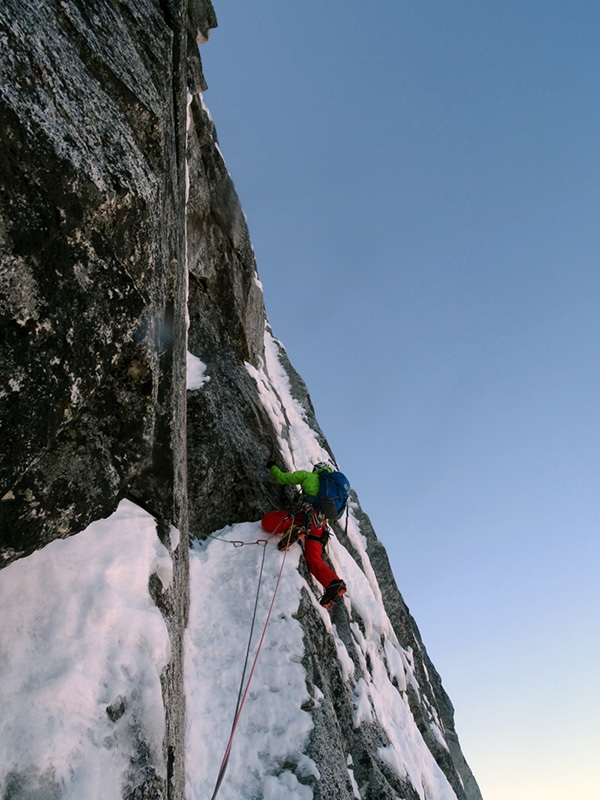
(276, 522)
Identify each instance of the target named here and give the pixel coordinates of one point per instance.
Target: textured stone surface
(93, 104)
(229, 433)
(91, 261)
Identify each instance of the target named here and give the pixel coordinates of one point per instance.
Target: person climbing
(323, 495)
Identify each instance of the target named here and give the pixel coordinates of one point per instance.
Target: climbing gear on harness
(290, 537)
(323, 537)
(335, 589)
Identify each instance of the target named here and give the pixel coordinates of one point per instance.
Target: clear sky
(422, 185)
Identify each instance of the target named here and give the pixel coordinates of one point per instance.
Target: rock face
(119, 225)
(93, 269)
(93, 105)
(229, 431)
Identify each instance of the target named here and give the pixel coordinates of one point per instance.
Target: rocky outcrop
(122, 244)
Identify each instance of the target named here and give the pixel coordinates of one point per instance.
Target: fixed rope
(243, 692)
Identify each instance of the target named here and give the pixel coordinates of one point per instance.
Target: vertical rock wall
(93, 265)
(93, 279)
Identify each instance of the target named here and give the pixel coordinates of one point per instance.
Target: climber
(309, 515)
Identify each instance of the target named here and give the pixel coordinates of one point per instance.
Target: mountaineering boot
(335, 589)
(293, 535)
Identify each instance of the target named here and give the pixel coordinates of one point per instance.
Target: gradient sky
(422, 185)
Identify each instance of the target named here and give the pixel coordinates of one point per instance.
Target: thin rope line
(241, 702)
(262, 564)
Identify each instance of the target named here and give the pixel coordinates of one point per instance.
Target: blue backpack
(333, 494)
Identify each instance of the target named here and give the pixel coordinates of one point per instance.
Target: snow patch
(196, 372)
(297, 441)
(174, 538)
(354, 784)
(79, 634)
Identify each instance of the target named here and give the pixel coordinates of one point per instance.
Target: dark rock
(116, 709)
(229, 433)
(93, 107)
(88, 187)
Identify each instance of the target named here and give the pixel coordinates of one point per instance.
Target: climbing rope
(242, 697)
(243, 692)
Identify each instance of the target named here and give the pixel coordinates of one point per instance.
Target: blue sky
(422, 187)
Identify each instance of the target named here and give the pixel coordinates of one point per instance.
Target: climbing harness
(243, 692)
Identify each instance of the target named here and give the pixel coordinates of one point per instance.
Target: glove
(270, 463)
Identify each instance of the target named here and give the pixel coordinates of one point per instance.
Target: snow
(196, 372)
(266, 758)
(355, 788)
(273, 728)
(78, 631)
(174, 538)
(297, 441)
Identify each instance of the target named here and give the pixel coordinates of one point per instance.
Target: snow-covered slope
(82, 649)
(268, 756)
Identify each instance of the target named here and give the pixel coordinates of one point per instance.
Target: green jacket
(309, 481)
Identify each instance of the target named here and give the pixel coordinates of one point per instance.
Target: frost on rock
(298, 442)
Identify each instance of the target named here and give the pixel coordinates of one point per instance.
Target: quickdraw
(236, 542)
